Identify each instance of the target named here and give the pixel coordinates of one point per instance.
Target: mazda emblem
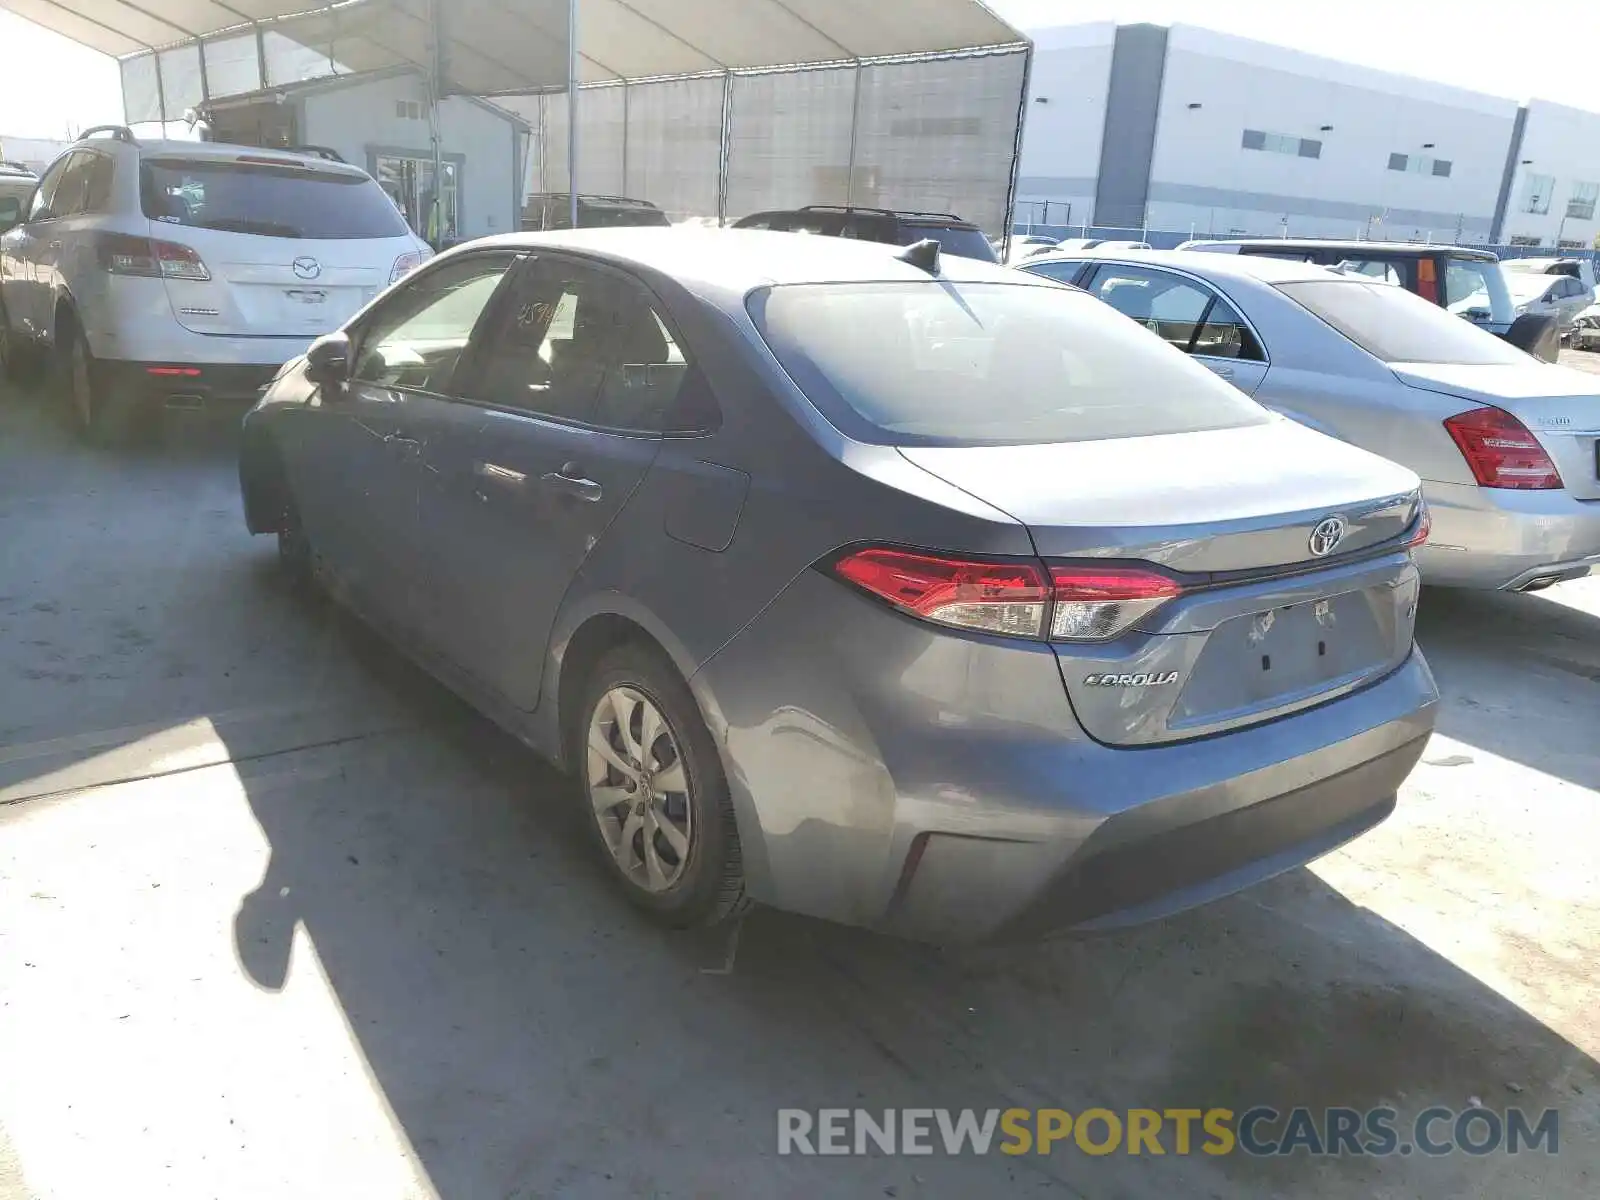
(307, 267)
(1325, 538)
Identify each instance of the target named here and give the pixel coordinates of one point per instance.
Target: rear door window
(268, 199)
(72, 191)
(948, 363)
(581, 343)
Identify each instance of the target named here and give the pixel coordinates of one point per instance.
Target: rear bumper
(939, 787)
(230, 387)
(1494, 538)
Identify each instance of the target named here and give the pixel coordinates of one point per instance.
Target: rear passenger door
(558, 419)
(1188, 315)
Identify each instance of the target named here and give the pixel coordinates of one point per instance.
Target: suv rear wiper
(245, 225)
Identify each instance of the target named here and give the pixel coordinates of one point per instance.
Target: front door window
(410, 184)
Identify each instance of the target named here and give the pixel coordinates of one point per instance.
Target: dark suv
(553, 210)
(878, 225)
(1467, 282)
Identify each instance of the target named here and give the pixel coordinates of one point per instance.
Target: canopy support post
(855, 127)
(572, 112)
(723, 150)
(1016, 155)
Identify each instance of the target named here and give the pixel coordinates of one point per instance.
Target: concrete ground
(279, 917)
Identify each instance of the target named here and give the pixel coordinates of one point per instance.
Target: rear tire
(654, 795)
(96, 418)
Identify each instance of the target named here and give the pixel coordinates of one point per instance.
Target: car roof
(1198, 262)
(1394, 248)
(735, 261)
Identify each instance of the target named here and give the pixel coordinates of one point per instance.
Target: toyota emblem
(307, 267)
(1325, 538)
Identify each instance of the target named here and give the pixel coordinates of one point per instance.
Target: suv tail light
(152, 258)
(1019, 599)
(1500, 451)
(408, 263)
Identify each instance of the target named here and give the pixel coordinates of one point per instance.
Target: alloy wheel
(638, 789)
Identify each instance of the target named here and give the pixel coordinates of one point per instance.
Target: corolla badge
(1141, 679)
(306, 267)
(1325, 538)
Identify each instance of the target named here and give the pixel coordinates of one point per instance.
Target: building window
(1570, 244)
(1580, 207)
(1281, 143)
(1536, 191)
(1523, 239)
(408, 110)
(1420, 164)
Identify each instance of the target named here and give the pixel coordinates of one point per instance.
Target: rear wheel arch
(263, 481)
(580, 655)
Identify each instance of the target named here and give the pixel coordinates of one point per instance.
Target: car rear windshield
(1395, 326)
(968, 243)
(945, 363)
(266, 199)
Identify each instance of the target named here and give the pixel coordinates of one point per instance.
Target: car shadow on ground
(533, 1036)
(1520, 676)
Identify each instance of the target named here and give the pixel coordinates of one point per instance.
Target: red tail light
(1500, 451)
(152, 258)
(994, 597)
(1093, 603)
(1419, 535)
(1019, 599)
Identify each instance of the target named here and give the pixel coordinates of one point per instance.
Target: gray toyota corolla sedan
(909, 592)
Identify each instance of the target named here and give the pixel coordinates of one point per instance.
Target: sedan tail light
(152, 258)
(1094, 604)
(992, 597)
(1424, 527)
(1500, 451)
(1013, 598)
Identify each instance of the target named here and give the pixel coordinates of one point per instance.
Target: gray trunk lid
(1264, 626)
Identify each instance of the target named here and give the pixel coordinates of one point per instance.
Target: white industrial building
(1184, 131)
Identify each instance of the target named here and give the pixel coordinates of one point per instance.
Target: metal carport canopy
(489, 47)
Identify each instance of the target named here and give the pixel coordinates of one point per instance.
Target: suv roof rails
(584, 196)
(121, 132)
(887, 212)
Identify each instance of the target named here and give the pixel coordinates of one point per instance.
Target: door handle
(569, 480)
(498, 474)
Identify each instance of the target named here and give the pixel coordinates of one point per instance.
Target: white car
(1558, 296)
(184, 274)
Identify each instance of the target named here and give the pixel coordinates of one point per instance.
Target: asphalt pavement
(280, 917)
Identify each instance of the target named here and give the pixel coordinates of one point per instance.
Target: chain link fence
(932, 133)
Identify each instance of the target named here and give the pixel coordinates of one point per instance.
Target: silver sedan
(1508, 447)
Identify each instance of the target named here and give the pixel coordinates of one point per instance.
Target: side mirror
(10, 212)
(328, 361)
